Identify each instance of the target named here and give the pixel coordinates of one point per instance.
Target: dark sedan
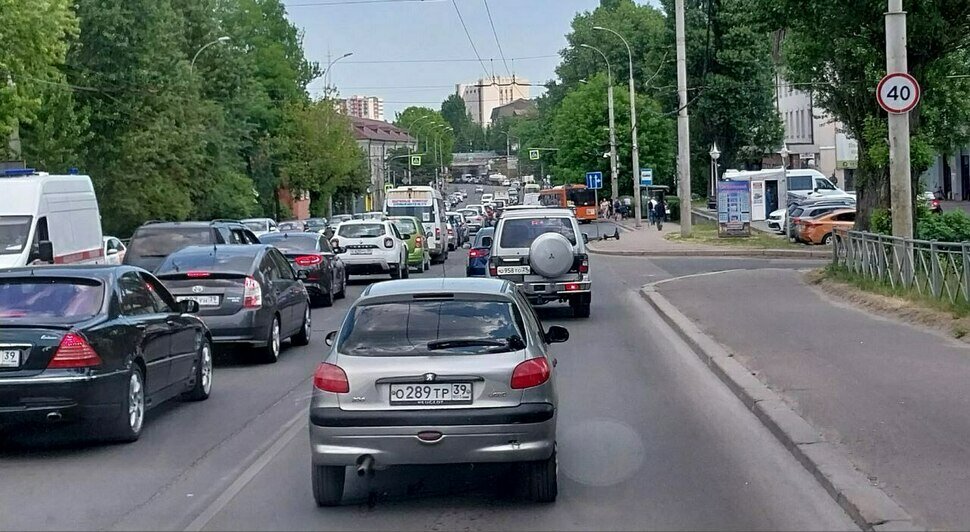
(479, 253)
(246, 294)
(326, 277)
(99, 344)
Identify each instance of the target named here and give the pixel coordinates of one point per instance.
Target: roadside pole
(900, 186)
(683, 124)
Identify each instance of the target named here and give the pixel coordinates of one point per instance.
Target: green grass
(706, 233)
(958, 310)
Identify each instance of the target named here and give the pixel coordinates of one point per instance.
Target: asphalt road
(648, 438)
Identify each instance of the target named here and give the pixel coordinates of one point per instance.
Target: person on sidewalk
(617, 216)
(651, 205)
(659, 213)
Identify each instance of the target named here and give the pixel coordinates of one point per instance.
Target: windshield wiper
(464, 342)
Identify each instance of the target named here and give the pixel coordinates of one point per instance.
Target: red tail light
(584, 266)
(418, 241)
(330, 378)
(451, 231)
(437, 232)
(308, 260)
(74, 352)
(388, 242)
(252, 294)
(196, 274)
(530, 373)
(572, 287)
(476, 253)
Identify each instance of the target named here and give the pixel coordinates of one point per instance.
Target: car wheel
(328, 484)
(127, 427)
(270, 353)
(427, 263)
(203, 374)
(343, 288)
(827, 239)
(542, 479)
(581, 311)
(396, 271)
(303, 337)
(326, 298)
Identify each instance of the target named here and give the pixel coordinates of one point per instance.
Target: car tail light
(330, 378)
(530, 373)
(437, 232)
(308, 260)
(252, 294)
(74, 352)
(196, 274)
(451, 231)
(388, 242)
(492, 269)
(418, 241)
(584, 266)
(475, 253)
(572, 287)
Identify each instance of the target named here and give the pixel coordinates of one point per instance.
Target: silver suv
(544, 253)
(436, 371)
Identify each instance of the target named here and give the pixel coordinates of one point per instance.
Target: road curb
(867, 505)
(755, 253)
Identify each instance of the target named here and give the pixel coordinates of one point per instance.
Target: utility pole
(683, 125)
(900, 185)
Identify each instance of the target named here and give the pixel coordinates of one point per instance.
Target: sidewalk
(649, 242)
(892, 397)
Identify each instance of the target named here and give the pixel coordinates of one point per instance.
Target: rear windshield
(289, 226)
(423, 213)
(292, 242)
(361, 230)
(469, 212)
(520, 232)
(51, 300)
(13, 234)
(341, 218)
(314, 223)
(405, 328)
(212, 262)
(257, 225)
(163, 241)
(407, 227)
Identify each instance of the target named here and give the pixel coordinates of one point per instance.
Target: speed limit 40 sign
(898, 92)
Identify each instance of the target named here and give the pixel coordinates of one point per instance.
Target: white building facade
(370, 107)
(488, 93)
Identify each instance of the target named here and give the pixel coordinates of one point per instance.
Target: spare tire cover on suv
(551, 255)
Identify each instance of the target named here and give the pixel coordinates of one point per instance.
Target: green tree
(434, 133)
(469, 136)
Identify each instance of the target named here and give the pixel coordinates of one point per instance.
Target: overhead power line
(442, 60)
(495, 34)
(361, 2)
(469, 35)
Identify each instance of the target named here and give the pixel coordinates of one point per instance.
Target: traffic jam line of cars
(423, 371)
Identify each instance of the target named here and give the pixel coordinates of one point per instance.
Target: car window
(164, 303)
(59, 300)
(151, 241)
(136, 300)
(824, 184)
(845, 217)
(358, 230)
(289, 242)
(269, 268)
(282, 266)
(403, 328)
(324, 245)
(406, 226)
(237, 237)
(396, 232)
(799, 182)
(221, 261)
(520, 232)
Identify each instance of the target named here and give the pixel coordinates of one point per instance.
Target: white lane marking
(286, 433)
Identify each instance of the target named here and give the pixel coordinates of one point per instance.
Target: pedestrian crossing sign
(534, 155)
(415, 160)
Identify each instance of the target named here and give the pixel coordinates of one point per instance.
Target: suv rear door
(514, 236)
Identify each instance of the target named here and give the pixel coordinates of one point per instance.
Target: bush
(674, 203)
(881, 222)
(952, 226)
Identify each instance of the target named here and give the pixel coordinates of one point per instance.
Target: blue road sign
(646, 177)
(594, 180)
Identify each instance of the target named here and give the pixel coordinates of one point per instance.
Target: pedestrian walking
(650, 206)
(659, 213)
(617, 216)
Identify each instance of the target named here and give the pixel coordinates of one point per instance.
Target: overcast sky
(531, 33)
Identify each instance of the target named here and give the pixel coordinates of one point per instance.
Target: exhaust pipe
(53, 416)
(365, 465)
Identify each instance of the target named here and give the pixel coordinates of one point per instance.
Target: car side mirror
(406, 236)
(302, 275)
(45, 251)
(557, 334)
(585, 238)
(486, 241)
(188, 306)
(331, 337)
(112, 251)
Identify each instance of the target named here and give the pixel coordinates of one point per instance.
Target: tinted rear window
(520, 232)
(361, 230)
(802, 182)
(292, 242)
(405, 328)
(162, 241)
(51, 299)
(212, 261)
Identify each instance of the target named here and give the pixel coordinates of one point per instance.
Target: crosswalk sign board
(534, 155)
(415, 160)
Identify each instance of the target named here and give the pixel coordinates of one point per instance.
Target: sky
(531, 34)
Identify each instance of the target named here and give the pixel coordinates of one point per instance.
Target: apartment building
(370, 107)
(484, 95)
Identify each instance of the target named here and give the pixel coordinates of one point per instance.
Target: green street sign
(415, 160)
(534, 155)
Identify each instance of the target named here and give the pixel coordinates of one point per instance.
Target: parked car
(98, 344)
(114, 250)
(371, 247)
(475, 382)
(479, 253)
(813, 210)
(261, 226)
(544, 253)
(154, 241)
(325, 276)
(776, 220)
(291, 225)
(246, 294)
(820, 229)
(419, 256)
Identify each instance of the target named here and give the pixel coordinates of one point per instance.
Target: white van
(48, 219)
(425, 204)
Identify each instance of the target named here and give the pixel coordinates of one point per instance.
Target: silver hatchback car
(436, 371)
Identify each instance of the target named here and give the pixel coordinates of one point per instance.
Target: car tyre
(326, 298)
(343, 288)
(127, 427)
(203, 374)
(396, 272)
(303, 337)
(270, 353)
(543, 479)
(827, 239)
(328, 484)
(427, 263)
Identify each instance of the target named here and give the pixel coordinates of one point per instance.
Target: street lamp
(508, 146)
(206, 45)
(633, 131)
(715, 155)
(326, 71)
(609, 99)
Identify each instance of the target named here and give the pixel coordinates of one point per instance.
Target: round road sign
(898, 92)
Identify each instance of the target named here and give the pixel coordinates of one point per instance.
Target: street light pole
(609, 100)
(715, 155)
(683, 123)
(633, 134)
(204, 46)
(410, 152)
(326, 71)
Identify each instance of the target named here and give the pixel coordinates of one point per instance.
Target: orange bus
(576, 197)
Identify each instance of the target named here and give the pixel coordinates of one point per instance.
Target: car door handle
(141, 326)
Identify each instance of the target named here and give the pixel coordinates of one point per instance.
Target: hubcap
(206, 368)
(136, 402)
(306, 321)
(276, 338)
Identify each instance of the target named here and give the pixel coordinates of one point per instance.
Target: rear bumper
(245, 326)
(69, 397)
(377, 261)
(523, 433)
(416, 258)
(546, 291)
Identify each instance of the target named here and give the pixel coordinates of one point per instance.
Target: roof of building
(519, 107)
(368, 129)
